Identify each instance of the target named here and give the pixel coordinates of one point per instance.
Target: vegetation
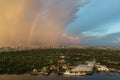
(18, 62)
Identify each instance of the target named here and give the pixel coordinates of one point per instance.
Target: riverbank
(95, 76)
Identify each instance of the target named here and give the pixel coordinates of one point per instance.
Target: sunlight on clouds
(18, 16)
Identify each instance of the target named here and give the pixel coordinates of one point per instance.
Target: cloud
(107, 40)
(52, 19)
(15, 20)
(71, 40)
(93, 17)
(44, 20)
(117, 40)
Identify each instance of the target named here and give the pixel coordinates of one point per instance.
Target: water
(97, 76)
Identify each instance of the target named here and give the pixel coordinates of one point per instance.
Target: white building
(82, 68)
(85, 68)
(102, 68)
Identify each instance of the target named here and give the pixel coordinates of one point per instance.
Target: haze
(56, 22)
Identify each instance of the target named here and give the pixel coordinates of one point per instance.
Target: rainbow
(33, 26)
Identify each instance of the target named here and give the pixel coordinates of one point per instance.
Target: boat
(75, 73)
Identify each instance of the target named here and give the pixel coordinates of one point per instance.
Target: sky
(98, 23)
(60, 22)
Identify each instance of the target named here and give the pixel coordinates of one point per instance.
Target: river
(96, 76)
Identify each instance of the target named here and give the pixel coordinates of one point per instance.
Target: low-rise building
(82, 68)
(102, 68)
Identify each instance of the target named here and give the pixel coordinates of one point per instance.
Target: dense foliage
(17, 62)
